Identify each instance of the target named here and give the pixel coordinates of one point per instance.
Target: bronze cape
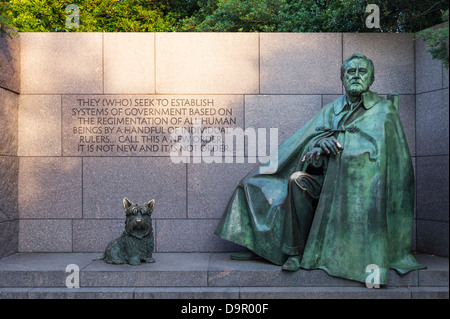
(365, 212)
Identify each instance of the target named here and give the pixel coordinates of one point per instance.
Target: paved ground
(200, 276)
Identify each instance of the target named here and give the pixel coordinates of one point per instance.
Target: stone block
(197, 275)
(324, 293)
(10, 63)
(432, 123)
(429, 293)
(9, 173)
(61, 63)
(39, 269)
(129, 63)
(186, 293)
(39, 125)
(81, 293)
(93, 235)
(410, 279)
(429, 75)
(301, 63)
(224, 272)
(190, 235)
(407, 113)
(210, 186)
(264, 111)
(50, 188)
(329, 98)
(436, 274)
(432, 188)
(432, 237)
(9, 105)
(9, 238)
(169, 270)
(207, 63)
(14, 293)
(108, 180)
(445, 75)
(392, 55)
(45, 235)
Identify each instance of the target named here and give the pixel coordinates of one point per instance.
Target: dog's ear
(126, 203)
(150, 205)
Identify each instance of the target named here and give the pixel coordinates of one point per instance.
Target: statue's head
(138, 222)
(357, 74)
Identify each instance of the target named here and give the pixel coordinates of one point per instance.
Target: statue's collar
(369, 99)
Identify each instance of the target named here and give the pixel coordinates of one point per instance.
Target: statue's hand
(330, 145)
(313, 157)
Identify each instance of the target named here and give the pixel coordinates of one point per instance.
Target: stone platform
(202, 276)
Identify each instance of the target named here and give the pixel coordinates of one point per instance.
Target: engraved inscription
(141, 125)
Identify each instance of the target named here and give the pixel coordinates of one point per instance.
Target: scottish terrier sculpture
(136, 243)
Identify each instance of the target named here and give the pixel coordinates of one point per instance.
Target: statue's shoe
(292, 264)
(245, 255)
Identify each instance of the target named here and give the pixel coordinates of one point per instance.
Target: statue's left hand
(313, 157)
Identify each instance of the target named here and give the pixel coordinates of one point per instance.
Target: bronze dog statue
(136, 243)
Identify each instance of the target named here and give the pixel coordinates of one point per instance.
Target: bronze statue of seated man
(342, 197)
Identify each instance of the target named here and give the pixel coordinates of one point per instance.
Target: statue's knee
(304, 182)
(296, 176)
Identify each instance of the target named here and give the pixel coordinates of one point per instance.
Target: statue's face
(357, 77)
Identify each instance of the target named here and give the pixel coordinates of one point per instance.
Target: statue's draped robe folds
(365, 211)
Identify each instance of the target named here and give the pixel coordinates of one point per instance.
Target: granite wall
(9, 162)
(432, 151)
(71, 200)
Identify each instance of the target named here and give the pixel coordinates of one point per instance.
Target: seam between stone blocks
(429, 91)
(82, 187)
(103, 62)
(208, 270)
(61, 123)
(186, 190)
(259, 64)
(431, 155)
(432, 220)
(414, 159)
(154, 63)
(9, 90)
